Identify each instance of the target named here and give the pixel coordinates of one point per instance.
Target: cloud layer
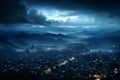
(16, 11)
(35, 18)
(108, 6)
(12, 11)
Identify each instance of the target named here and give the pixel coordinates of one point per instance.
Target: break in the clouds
(73, 19)
(62, 13)
(108, 6)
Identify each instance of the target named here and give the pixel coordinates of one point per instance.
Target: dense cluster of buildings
(62, 65)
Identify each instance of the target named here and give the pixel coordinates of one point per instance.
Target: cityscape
(59, 60)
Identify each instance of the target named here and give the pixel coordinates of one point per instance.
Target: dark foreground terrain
(49, 56)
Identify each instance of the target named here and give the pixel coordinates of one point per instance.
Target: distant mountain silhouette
(24, 38)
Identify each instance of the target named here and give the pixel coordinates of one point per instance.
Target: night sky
(61, 13)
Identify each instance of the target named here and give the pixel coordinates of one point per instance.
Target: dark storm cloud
(15, 11)
(107, 6)
(12, 11)
(34, 18)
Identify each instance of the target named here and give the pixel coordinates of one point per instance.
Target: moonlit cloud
(68, 18)
(79, 13)
(64, 18)
(62, 13)
(54, 14)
